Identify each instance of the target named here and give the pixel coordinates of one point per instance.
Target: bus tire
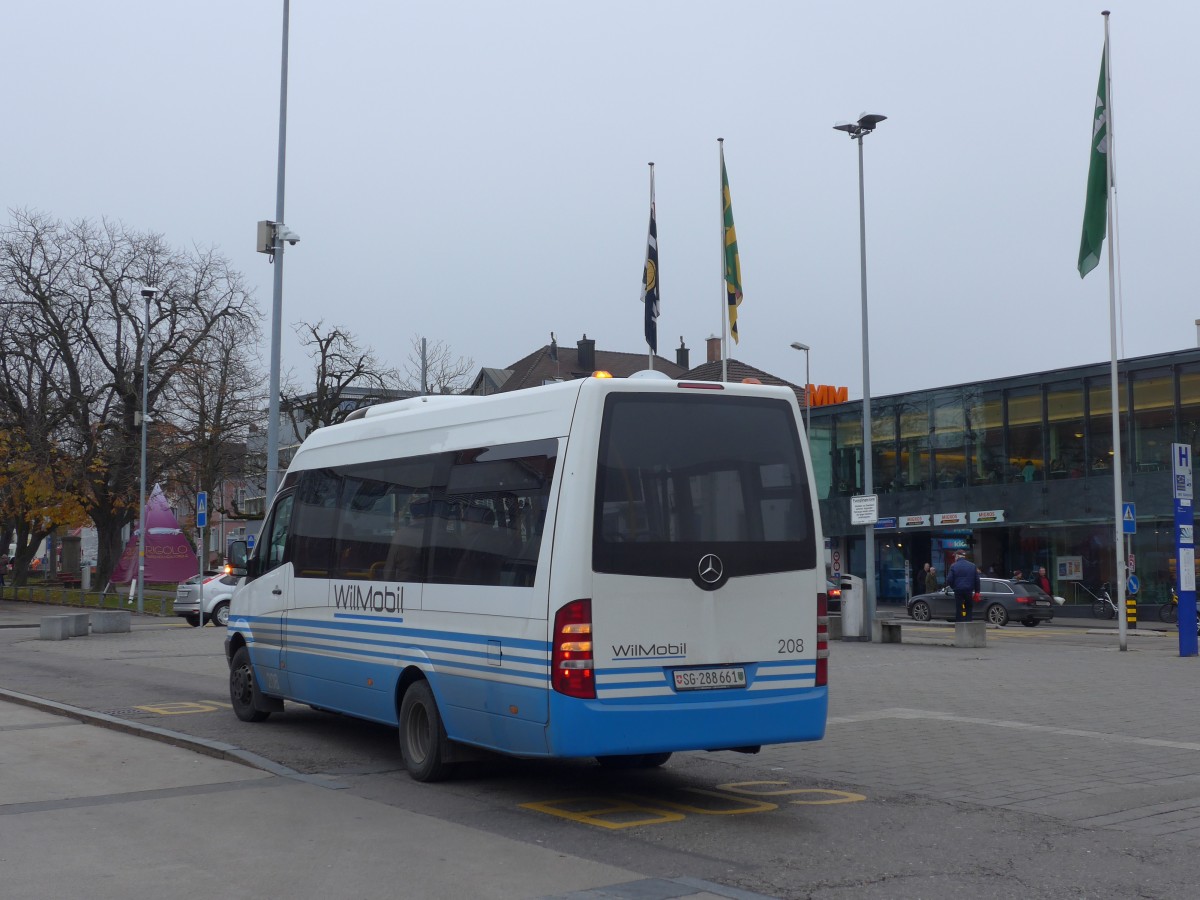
(422, 735)
(243, 688)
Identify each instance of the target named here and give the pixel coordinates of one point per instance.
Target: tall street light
(858, 130)
(148, 294)
(277, 233)
(796, 345)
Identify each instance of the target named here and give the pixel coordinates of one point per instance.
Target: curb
(204, 746)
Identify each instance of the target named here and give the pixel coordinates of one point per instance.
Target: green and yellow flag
(733, 266)
(1095, 210)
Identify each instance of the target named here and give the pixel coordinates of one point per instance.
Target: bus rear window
(685, 475)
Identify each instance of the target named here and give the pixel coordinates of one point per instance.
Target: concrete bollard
(54, 628)
(970, 634)
(79, 624)
(111, 621)
(887, 632)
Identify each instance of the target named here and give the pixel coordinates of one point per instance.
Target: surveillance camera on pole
(271, 236)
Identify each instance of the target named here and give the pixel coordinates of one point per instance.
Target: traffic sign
(202, 509)
(1128, 518)
(1133, 585)
(249, 542)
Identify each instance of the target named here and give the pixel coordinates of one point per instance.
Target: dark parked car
(833, 593)
(1000, 602)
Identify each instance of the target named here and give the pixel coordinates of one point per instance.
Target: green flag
(1095, 211)
(733, 266)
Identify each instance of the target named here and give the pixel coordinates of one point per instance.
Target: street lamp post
(858, 130)
(796, 345)
(148, 294)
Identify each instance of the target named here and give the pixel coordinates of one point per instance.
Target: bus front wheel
(422, 735)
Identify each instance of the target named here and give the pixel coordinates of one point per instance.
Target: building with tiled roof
(736, 371)
(551, 363)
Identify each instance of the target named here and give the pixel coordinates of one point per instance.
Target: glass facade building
(1018, 470)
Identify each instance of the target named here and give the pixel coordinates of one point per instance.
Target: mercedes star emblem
(710, 568)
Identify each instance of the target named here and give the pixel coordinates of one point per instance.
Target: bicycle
(1103, 606)
(1169, 611)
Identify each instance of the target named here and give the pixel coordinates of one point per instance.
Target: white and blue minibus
(610, 568)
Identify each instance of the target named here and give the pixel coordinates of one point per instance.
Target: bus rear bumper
(608, 728)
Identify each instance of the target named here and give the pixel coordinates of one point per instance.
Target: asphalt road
(1047, 764)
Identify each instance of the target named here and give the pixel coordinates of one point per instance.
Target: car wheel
(243, 688)
(997, 615)
(193, 620)
(1031, 623)
(422, 735)
(920, 611)
(633, 761)
(220, 614)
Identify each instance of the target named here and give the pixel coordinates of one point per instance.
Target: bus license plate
(710, 679)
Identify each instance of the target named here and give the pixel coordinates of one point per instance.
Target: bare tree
(345, 377)
(444, 372)
(214, 401)
(80, 288)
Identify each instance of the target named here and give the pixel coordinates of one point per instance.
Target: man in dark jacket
(963, 579)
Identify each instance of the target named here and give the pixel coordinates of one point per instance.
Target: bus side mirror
(237, 557)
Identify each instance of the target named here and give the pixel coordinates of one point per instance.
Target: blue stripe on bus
(350, 643)
(428, 634)
(408, 655)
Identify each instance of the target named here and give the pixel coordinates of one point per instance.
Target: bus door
(270, 583)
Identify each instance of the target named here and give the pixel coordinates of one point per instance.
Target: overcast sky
(476, 172)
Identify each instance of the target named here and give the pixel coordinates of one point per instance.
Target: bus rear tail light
(822, 640)
(572, 670)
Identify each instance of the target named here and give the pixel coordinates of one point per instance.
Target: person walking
(930, 579)
(963, 579)
(1043, 581)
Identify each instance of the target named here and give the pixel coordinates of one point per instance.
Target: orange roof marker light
(600, 373)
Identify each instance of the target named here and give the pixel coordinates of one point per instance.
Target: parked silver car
(1000, 602)
(217, 591)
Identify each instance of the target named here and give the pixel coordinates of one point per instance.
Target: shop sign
(889, 523)
(914, 521)
(1070, 568)
(957, 518)
(987, 516)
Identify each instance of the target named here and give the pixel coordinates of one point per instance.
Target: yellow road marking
(185, 708)
(604, 813)
(822, 797)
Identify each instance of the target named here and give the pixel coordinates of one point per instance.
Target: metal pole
(141, 576)
(277, 291)
(868, 475)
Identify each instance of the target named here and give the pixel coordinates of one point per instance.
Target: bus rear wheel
(633, 761)
(422, 736)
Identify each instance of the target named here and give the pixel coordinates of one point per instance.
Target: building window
(947, 438)
(985, 435)
(1153, 420)
(1099, 430)
(1064, 432)
(847, 458)
(820, 446)
(1189, 410)
(914, 442)
(884, 460)
(1026, 461)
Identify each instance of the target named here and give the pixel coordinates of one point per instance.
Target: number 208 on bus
(610, 568)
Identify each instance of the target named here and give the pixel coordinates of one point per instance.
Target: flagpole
(649, 349)
(1118, 498)
(724, 300)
